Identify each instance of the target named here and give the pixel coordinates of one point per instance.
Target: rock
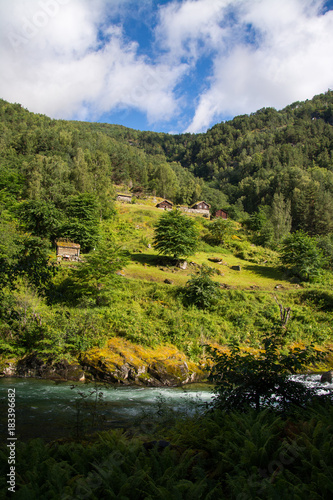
(277, 287)
(326, 377)
(236, 268)
(215, 259)
(33, 366)
(182, 264)
(168, 282)
(125, 363)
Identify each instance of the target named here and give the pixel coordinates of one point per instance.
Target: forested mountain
(266, 158)
(277, 166)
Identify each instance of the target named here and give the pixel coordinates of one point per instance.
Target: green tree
(301, 254)
(201, 290)
(39, 217)
(96, 277)
(82, 225)
(176, 234)
(219, 230)
(33, 262)
(280, 217)
(246, 380)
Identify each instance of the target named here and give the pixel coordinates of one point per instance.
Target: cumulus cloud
(191, 28)
(66, 58)
(75, 59)
(292, 60)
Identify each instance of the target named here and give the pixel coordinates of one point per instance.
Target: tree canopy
(176, 234)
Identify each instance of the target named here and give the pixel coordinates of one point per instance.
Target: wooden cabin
(201, 205)
(221, 213)
(166, 204)
(66, 250)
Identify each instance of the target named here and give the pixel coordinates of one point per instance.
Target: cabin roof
(67, 244)
(202, 201)
(163, 201)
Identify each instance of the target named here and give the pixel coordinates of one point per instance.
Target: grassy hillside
(272, 172)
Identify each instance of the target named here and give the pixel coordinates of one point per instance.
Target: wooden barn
(166, 204)
(66, 250)
(221, 213)
(201, 205)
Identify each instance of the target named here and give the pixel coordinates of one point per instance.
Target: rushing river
(51, 410)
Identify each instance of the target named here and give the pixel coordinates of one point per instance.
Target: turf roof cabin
(66, 250)
(221, 213)
(166, 204)
(202, 207)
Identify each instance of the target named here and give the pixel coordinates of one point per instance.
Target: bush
(301, 254)
(201, 290)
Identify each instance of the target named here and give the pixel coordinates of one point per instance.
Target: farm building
(166, 204)
(127, 198)
(67, 250)
(221, 213)
(201, 205)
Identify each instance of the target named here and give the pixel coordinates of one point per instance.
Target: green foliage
(33, 263)
(94, 281)
(82, 225)
(219, 230)
(245, 380)
(201, 290)
(301, 254)
(218, 455)
(176, 234)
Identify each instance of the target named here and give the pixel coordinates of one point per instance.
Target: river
(50, 410)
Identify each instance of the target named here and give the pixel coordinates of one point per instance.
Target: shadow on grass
(272, 273)
(152, 260)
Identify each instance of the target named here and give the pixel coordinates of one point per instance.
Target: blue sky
(163, 65)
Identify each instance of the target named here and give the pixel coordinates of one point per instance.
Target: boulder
(182, 264)
(34, 366)
(125, 363)
(326, 377)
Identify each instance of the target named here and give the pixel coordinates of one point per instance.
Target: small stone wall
(195, 211)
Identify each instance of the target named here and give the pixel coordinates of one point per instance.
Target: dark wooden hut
(166, 204)
(201, 205)
(221, 213)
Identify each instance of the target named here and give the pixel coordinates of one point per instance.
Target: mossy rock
(126, 363)
(36, 366)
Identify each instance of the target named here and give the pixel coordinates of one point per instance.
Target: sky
(167, 66)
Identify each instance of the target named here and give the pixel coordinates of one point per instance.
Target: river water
(50, 410)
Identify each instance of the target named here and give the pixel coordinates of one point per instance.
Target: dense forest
(277, 164)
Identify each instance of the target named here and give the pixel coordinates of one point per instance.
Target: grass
(138, 221)
(146, 311)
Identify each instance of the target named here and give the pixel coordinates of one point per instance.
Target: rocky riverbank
(120, 362)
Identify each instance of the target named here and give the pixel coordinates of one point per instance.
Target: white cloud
(187, 29)
(71, 59)
(292, 61)
(58, 64)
